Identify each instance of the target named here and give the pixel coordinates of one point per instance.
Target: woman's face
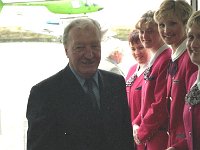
(193, 43)
(172, 31)
(149, 36)
(140, 54)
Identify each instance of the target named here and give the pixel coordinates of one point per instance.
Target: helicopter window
(76, 4)
(89, 3)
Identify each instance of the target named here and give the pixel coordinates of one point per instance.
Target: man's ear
(66, 52)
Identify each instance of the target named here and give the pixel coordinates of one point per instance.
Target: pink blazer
(153, 116)
(134, 92)
(177, 87)
(191, 117)
(133, 89)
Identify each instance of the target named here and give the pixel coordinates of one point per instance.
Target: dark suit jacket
(60, 116)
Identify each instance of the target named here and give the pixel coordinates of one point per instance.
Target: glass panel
(30, 51)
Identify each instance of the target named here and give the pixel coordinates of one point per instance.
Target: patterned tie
(193, 97)
(90, 92)
(172, 68)
(147, 73)
(131, 80)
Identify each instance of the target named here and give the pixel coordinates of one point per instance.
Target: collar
(111, 60)
(198, 78)
(140, 70)
(82, 80)
(158, 52)
(179, 51)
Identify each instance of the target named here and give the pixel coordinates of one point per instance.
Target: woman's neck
(175, 46)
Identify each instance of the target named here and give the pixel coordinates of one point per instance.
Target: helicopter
(60, 6)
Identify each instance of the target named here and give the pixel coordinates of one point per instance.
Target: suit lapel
(104, 89)
(71, 87)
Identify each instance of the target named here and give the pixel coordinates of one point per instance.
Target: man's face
(84, 51)
(117, 56)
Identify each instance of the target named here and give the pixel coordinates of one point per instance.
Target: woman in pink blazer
(150, 127)
(135, 78)
(172, 17)
(191, 115)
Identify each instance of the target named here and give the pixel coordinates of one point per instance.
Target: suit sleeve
(41, 134)
(127, 127)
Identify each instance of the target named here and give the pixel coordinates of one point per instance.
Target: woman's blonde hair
(194, 19)
(146, 18)
(180, 8)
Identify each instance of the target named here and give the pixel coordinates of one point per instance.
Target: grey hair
(81, 23)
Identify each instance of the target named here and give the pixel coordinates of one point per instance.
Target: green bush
(122, 33)
(17, 34)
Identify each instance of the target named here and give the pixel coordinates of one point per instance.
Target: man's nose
(89, 52)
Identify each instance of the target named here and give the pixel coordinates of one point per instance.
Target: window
(30, 51)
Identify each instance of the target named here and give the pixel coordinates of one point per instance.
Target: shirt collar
(197, 82)
(198, 78)
(82, 80)
(111, 60)
(158, 52)
(179, 51)
(140, 70)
